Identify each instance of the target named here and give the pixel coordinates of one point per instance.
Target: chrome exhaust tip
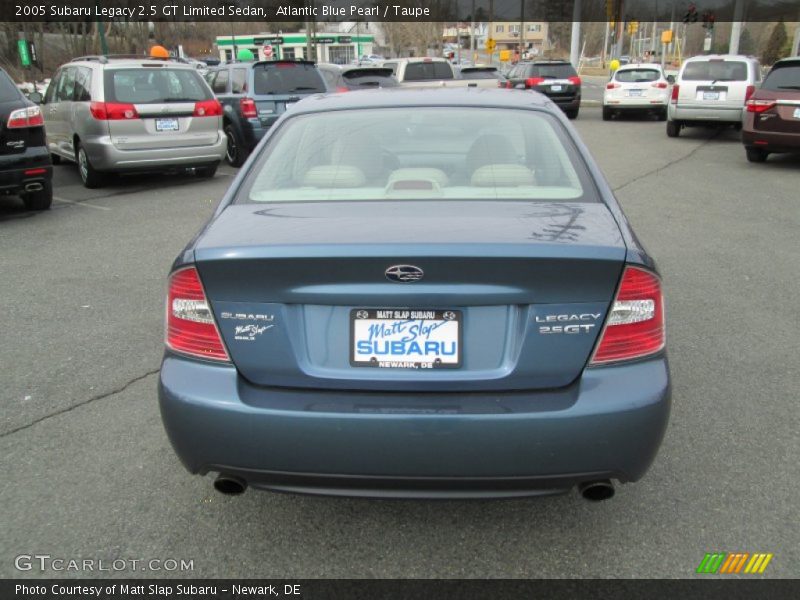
(229, 485)
(34, 187)
(597, 491)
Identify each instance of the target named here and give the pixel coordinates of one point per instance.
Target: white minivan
(712, 89)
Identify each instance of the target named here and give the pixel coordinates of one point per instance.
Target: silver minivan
(132, 114)
(712, 89)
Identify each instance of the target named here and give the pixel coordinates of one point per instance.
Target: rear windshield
(422, 71)
(377, 77)
(433, 153)
(715, 70)
(287, 78)
(783, 78)
(154, 85)
(560, 71)
(479, 73)
(637, 75)
(8, 91)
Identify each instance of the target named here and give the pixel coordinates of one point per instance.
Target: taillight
(635, 325)
(25, 117)
(574, 80)
(759, 106)
(675, 90)
(113, 111)
(207, 108)
(662, 85)
(613, 85)
(509, 85)
(248, 108)
(533, 81)
(190, 324)
(749, 92)
(341, 89)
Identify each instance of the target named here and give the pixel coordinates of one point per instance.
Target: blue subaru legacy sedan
(417, 293)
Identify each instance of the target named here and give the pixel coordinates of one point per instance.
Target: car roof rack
(104, 58)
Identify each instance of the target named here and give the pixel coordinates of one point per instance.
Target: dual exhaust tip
(594, 491)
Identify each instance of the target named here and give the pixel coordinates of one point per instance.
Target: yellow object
(614, 65)
(491, 45)
(505, 55)
(633, 27)
(666, 36)
(159, 52)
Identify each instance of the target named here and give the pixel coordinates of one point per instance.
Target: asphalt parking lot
(89, 472)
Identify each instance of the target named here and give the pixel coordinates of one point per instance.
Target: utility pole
(736, 27)
(521, 28)
(472, 32)
(575, 40)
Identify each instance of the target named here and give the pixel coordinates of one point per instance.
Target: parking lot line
(85, 204)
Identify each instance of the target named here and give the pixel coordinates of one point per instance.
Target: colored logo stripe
(758, 563)
(734, 562)
(711, 562)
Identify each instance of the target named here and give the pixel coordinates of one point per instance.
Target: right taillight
(248, 108)
(635, 325)
(191, 328)
(759, 106)
(113, 111)
(675, 90)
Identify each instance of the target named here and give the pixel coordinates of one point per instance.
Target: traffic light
(633, 27)
(691, 15)
(708, 20)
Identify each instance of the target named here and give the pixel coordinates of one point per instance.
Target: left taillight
(635, 325)
(25, 117)
(207, 108)
(190, 324)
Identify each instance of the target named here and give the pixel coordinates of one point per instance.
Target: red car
(772, 119)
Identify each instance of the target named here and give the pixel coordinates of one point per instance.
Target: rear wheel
(89, 175)
(606, 113)
(234, 155)
(673, 128)
(756, 155)
(572, 114)
(41, 199)
(206, 172)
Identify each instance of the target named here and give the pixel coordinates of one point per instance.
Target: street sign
(24, 53)
(268, 51)
(272, 41)
(666, 36)
(32, 52)
(491, 44)
(505, 55)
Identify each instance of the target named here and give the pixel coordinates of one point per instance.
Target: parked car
(347, 78)
(488, 72)
(772, 116)
(712, 90)
(123, 115)
(417, 293)
(640, 88)
(255, 94)
(432, 72)
(25, 167)
(556, 79)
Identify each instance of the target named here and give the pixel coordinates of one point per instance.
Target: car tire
(572, 114)
(606, 113)
(756, 155)
(662, 115)
(90, 177)
(55, 159)
(673, 128)
(234, 153)
(40, 200)
(206, 172)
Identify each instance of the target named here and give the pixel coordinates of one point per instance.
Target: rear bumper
(636, 103)
(771, 141)
(13, 167)
(566, 102)
(608, 424)
(104, 156)
(705, 113)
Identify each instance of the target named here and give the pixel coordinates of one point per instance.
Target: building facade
(330, 47)
(528, 37)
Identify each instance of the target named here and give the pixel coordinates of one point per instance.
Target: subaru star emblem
(404, 273)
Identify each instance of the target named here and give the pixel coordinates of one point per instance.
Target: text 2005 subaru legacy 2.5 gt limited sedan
(417, 293)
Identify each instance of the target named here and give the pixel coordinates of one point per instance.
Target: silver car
(132, 114)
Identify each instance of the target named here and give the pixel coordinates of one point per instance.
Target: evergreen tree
(776, 46)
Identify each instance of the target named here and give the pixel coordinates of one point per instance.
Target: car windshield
(637, 75)
(151, 85)
(8, 91)
(783, 78)
(479, 73)
(432, 153)
(715, 70)
(287, 78)
(557, 71)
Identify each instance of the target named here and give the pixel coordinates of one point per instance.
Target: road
(89, 472)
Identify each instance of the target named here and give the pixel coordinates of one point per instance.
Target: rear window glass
(479, 73)
(8, 91)
(287, 78)
(715, 70)
(783, 78)
(422, 71)
(154, 85)
(434, 153)
(637, 75)
(560, 71)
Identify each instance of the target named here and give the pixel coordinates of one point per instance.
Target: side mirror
(35, 97)
(670, 79)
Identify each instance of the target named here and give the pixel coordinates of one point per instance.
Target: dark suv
(556, 79)
(25, 166)
(255, 94)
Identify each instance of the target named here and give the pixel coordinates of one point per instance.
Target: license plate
(710, 95)
(401, 338)
(556, 88)
(634, 92)
(797, 113)
(166, 124)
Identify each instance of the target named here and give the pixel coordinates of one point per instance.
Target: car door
(53, 126)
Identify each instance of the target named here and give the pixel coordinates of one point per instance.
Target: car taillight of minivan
(25, 117)
(533, 81)
(675, 90)
(248, 108)
(751, 89)
(759, 106)
(207, 108)
(113, 111)
(190, 324)
(635, 325)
